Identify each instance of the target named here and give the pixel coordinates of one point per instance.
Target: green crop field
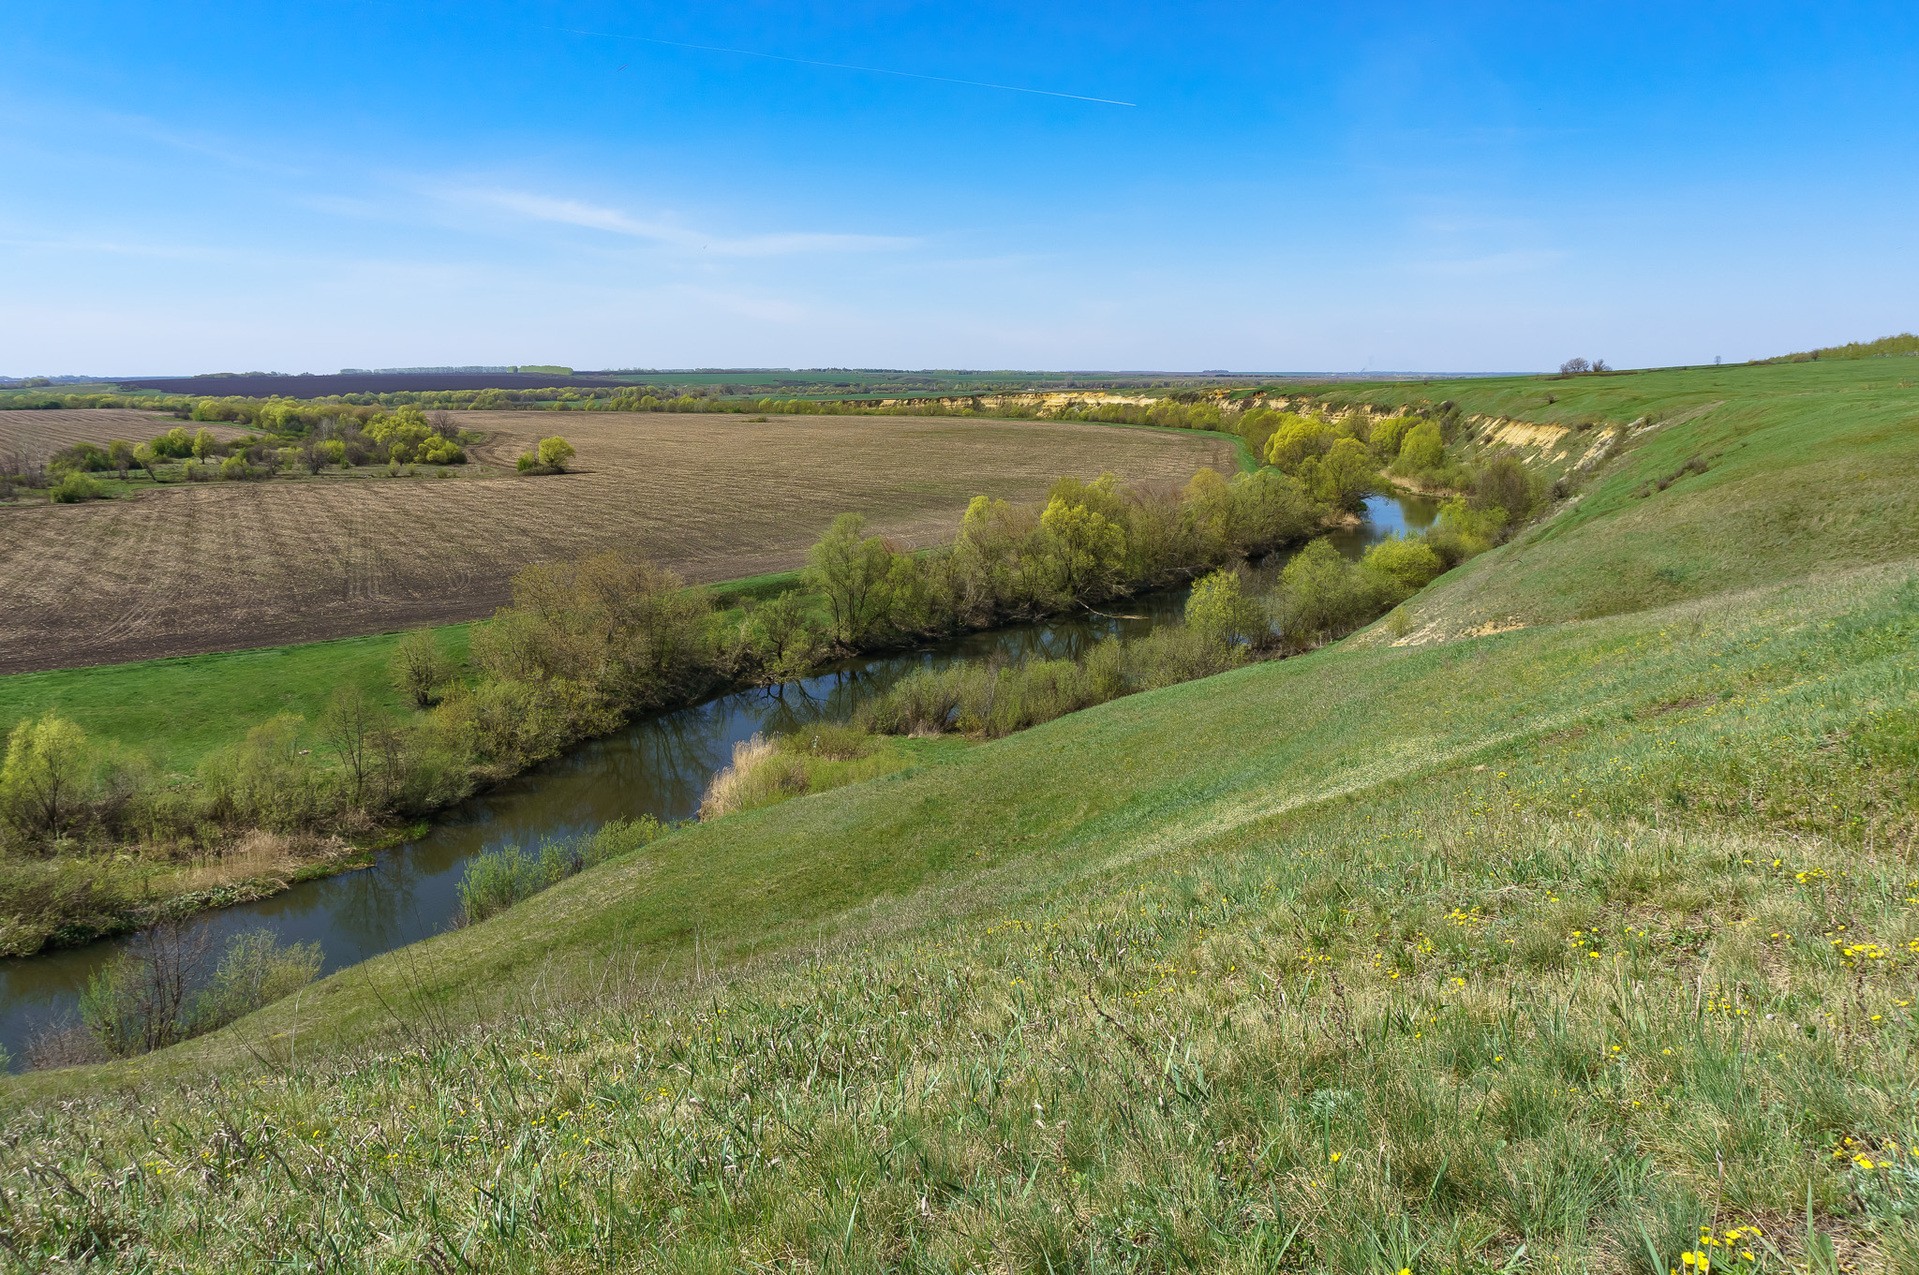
(1562, 913)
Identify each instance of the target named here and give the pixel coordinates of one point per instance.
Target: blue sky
(1295, 187)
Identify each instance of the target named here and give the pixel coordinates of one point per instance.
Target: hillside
(1563, 912)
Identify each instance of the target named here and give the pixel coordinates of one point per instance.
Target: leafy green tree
(1295, 438)
(1085, 548)
(146, 458)
(421, 668)
(783, 638)
(1387, 435)
(120, 456)
(1409, 564)
(1341, 477)
(204, 444)
(555, 453)
(1219, 609)
(46, 779)
(1422, 449)
(852, 569)
(1321, 595)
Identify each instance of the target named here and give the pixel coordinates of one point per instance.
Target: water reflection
(659, 766)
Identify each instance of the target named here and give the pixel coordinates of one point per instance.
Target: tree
(1573, 367)
(146, 458)
(1409, 565)
(1219, 609)
(120, 456)
(1423, 448)
(204, 444)
(851, 569)
(420, 668)
(1321, 595)
(783, 637)
(1296, 438)
(555, 452)
(46, 777)
(1343, 476)
(1085, 548)
(1388, 434)
(1504, 482)
(349, 727)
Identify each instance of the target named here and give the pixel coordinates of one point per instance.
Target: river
(659, 765)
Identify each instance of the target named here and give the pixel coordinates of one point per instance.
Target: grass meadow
(1539, 949)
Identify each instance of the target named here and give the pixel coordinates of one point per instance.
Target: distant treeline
(355, 438)
(1903, 343)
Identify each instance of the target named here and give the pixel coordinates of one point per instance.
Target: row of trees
(585, 644)
(401, 438)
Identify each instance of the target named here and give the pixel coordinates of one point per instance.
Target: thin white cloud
(1516, 261)
(572, 212)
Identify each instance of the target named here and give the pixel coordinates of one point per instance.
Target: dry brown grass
(37, 435)
(218, 566)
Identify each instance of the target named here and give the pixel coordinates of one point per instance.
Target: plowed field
(37, 435)
(220, 566)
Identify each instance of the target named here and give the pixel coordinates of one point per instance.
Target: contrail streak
(845, 66)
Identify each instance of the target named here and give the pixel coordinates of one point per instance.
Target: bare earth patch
(219, 566)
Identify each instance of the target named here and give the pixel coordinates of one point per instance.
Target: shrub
(1408, 564)
(1461, 531)
(75, 487)
(256, 971)
(420, 668)
(498, 879)
(1219, 610)
(1504, 482)
(1321, 596)
(1423, 448)
(81, 458)
(235, 469)
(548, 456)
(54, 901)
(154, 993)
(267, 780)
(1176, 653)
(47, 777)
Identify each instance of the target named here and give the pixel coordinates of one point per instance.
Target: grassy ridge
(1534, 950)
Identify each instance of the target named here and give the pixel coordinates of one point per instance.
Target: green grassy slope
(1534, 950)
(178, 710)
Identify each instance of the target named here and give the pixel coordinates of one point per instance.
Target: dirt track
(219, 566)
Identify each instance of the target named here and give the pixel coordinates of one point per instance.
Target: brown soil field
(220, 566)
(37, 435)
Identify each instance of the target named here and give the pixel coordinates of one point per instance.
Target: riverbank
(657, 766)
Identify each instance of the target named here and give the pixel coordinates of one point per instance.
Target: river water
(659, 766)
